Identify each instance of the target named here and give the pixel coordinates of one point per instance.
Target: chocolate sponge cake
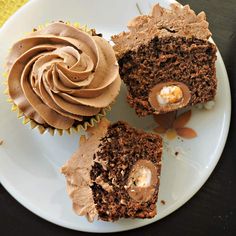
(166, 60)
(115, 173)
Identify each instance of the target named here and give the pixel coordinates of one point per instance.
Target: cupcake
(166, 60)
(62, 77)
(115, 173)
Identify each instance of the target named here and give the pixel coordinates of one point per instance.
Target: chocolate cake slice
(166, 60)
(115, 173)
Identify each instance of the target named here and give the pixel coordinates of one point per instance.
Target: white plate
(29, 162)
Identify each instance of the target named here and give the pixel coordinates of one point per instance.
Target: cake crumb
(1, 142)
(163, 202)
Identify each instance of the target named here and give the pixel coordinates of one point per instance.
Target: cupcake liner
(51, 130)
(80, 127)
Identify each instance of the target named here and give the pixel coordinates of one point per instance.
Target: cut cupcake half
(166, 47)
(115, 173)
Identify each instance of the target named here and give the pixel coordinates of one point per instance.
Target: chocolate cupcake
(62, 77)
(115, 173)
(166, 60)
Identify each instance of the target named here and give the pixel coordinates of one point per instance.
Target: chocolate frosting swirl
(61, 74)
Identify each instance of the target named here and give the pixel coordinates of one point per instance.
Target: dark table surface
(212, 211)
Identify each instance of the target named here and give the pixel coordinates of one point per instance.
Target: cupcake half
(166, 60)
(115, 173)
(62, 77)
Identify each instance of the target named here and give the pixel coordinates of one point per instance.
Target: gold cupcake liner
(76, 129)
(80, 127)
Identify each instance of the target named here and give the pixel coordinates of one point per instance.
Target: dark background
(212, 211)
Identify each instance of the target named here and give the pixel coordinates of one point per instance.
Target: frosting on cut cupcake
(178, 21)
(61, 75)
(77, 171)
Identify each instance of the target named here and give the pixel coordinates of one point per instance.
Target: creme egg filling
(141, 178)
(169, 94)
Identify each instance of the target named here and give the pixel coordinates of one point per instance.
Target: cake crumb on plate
(163, 202)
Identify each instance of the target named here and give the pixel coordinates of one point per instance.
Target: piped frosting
(60, 75)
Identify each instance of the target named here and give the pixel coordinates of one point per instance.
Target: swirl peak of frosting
(60, 75)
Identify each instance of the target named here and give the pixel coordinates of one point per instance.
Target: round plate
(30, 162)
